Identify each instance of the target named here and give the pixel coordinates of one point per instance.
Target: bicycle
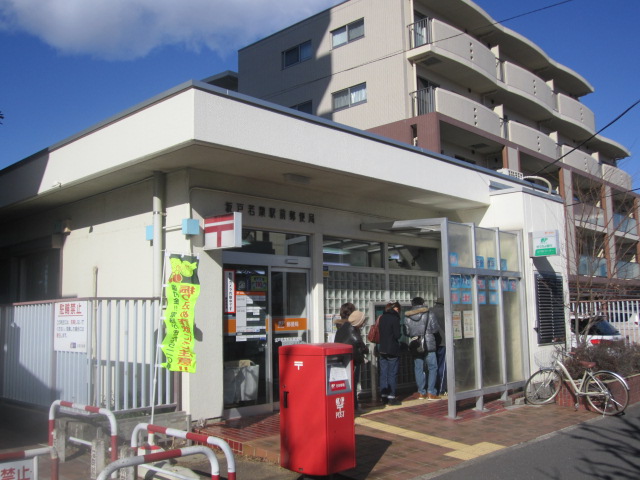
(607, 392)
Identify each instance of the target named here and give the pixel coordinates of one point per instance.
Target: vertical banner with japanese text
(182, 290)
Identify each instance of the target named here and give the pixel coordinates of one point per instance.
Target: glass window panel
(464, 351)
(341, 99)
(353, 253)
(339, 36)
(290, 57)
(305, 51)
(513, 332)
(509, 252)
(407, 257)
(359, 93)
(491, 341)
(486, 248)
(356, 29)
(306, 107)
(460, 245)
(273, 243)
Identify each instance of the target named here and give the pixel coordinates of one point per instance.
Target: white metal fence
(624, 315)
(115, 371)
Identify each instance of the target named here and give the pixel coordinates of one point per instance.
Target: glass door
(289, 293)
(264, 307)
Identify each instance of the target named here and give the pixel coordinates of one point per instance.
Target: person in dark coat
(420, 322)
(389, 351)
(349, 333)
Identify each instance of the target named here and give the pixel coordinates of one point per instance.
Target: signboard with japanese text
(182, 290)
(70, 327)
(544, 244)
(24, 469)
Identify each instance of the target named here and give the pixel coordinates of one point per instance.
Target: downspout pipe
(158, 233)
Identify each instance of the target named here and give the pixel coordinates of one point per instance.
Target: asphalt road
(607, 448)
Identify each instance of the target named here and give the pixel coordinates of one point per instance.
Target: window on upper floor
(306, 107)
(349, 97)
(297, 54)
(348, 33)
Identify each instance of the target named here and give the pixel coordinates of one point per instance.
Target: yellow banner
(183, 289)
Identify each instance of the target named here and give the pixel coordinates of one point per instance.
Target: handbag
(416, 344)
(374, 332)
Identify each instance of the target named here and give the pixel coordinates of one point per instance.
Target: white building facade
(325, 221)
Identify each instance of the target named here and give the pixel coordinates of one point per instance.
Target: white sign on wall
(70, 327)
(19, 469)
(544, 244)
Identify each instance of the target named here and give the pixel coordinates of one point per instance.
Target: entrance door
(265, 307)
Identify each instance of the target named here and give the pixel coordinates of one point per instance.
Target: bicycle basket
(545, 358)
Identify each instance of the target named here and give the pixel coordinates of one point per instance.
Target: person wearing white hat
(349, 333)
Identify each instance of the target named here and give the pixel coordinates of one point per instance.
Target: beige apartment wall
(380, 53)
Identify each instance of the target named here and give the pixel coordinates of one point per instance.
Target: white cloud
(129, 29)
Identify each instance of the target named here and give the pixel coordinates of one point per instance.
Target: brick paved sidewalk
(413, 439)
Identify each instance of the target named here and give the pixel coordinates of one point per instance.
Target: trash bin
(317, 425)
(240, 380)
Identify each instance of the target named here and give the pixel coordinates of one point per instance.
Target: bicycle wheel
(607, 393)
(543, 386)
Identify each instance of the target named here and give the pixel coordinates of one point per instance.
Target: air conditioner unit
(511, 173)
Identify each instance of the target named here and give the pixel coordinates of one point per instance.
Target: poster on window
(456, 323)
(70, 327)
(469, 329)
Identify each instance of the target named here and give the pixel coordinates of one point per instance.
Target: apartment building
(446, 77)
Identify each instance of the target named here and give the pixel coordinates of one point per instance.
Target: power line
(592, 136)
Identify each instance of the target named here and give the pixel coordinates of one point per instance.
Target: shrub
(620, 357)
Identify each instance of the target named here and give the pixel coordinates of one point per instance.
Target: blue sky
(66, 65)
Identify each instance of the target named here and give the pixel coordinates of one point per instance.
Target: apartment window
(297, 54)
(306, 107)
(350, 96)
(348, 33)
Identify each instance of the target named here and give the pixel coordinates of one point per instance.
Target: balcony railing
(456, 106)
(624, 223)
(581, 160)
(529, 84)
(423, 101)
(532, 139)
(420, 33)
(592, 266)
(627, 270)
(588, 214)
(576, 111)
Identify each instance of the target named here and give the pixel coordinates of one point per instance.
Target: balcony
(532, 139)
(581, 160)
(585, 215)
(452, 53)
(578, 115)
(456, 106)
(592, 266)
(616, 176)
(625, 224)
(529, 85)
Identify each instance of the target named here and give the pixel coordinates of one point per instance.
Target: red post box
(317, 428)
